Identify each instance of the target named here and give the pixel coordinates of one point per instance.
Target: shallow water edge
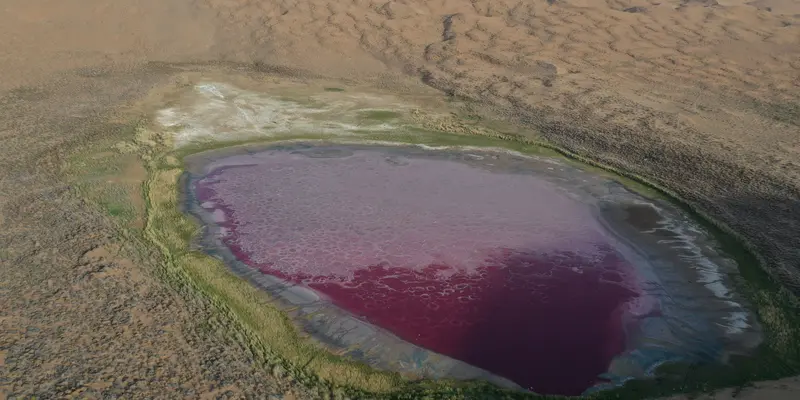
(193, 159)
(776, 357)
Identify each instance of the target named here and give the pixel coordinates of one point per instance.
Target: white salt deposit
(222, 112)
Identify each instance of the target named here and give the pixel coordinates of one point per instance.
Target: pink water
(502, 271)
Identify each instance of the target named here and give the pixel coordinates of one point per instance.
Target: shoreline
(255, 147)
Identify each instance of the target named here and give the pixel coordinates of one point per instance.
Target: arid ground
(699, 97)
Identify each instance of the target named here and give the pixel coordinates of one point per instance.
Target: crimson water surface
(503, 271)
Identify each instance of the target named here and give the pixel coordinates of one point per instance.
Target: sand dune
(701, 96)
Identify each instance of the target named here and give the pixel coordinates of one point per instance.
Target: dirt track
(700, 96)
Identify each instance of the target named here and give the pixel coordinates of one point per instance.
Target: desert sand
(701, 97)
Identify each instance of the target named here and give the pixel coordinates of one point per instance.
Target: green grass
(379, 115)
(94, 174)
(115, 200)
(97, 165)
(786, 112)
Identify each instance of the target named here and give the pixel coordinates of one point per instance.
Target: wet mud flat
(468, 264)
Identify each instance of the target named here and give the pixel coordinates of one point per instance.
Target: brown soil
(699, 96)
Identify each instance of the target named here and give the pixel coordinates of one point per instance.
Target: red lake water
(504, 271)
